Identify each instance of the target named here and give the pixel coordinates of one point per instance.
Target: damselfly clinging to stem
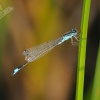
(34, 53)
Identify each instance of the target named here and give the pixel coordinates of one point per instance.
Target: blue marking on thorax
(64, 39)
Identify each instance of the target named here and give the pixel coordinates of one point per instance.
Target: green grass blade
(82, 50)
(96, 84)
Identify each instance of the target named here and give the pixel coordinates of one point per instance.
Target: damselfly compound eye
(74, 30)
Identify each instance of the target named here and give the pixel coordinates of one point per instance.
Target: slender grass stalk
(82, 50)
(96, 84)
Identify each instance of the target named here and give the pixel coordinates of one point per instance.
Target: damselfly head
(73, 32)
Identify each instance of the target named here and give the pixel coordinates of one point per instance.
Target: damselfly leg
(76, 38)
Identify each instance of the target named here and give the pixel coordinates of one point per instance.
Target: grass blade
(82, 50)
(96, 84)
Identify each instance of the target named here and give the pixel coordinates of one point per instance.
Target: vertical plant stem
(82, 50)
(96, 84)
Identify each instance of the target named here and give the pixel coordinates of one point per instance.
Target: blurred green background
(52, 77)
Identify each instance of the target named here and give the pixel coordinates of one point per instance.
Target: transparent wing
(42, 47)
(37, 55)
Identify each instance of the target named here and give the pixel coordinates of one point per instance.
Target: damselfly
(35, 53)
